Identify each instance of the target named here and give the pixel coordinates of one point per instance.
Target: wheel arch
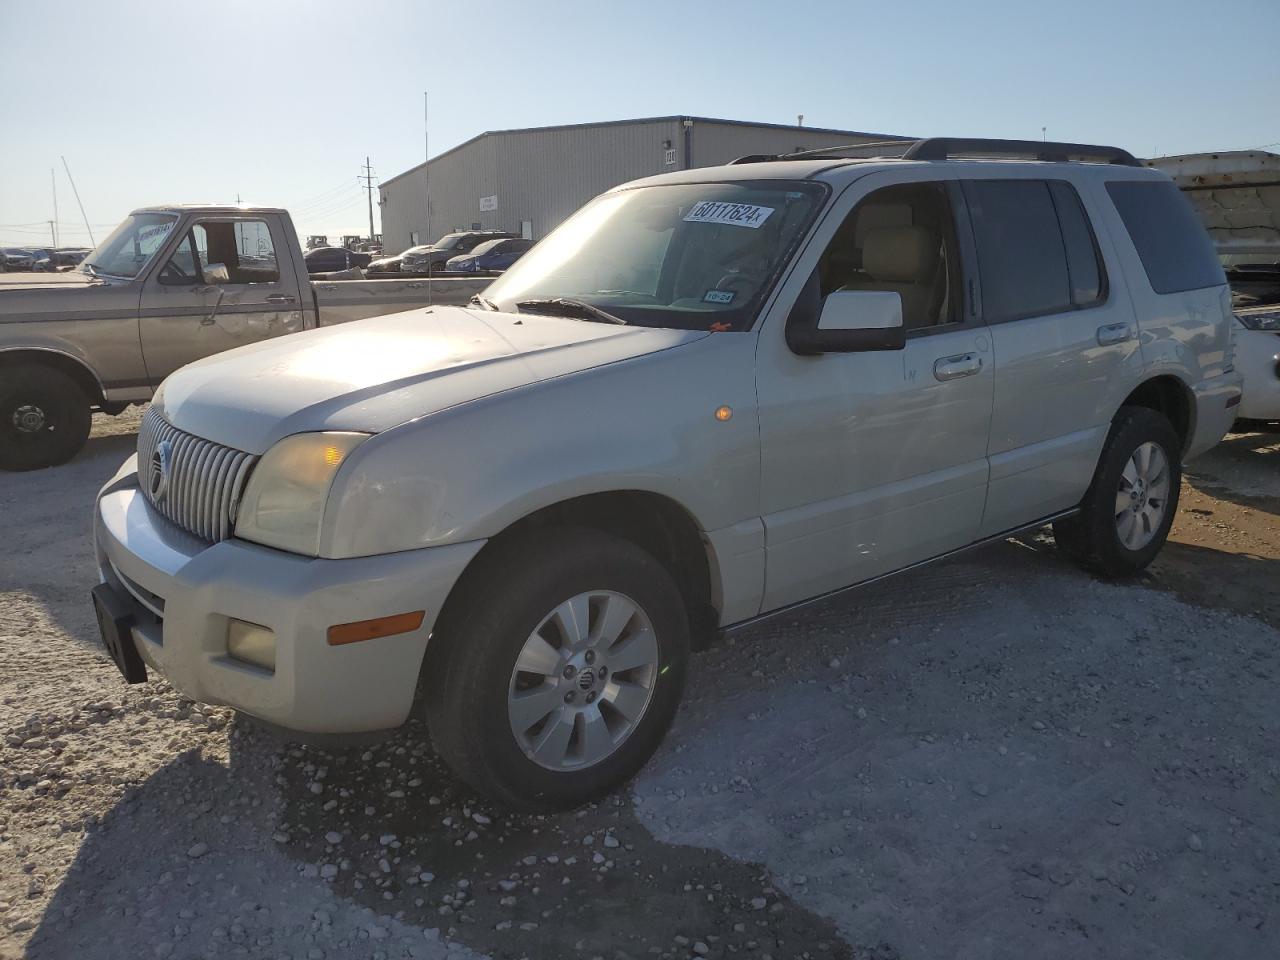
(59, 360)
(1169, 396)
(656, 523)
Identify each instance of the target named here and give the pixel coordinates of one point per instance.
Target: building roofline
(637, 121)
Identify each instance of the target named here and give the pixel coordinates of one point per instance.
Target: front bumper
(1257, 356)
(186, 590)
(1217, 402)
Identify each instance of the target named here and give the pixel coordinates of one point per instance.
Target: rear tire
(1125, 517)
(512, 705)
(44, 418)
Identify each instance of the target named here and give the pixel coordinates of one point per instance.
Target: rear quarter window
(1175, 250)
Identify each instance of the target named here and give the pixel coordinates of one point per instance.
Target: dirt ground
(993, 757)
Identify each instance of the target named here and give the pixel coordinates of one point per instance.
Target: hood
(373, 374)
(42, 296)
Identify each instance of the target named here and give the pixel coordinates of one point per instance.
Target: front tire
(1126, 515)
(557, 668)
(44, 418)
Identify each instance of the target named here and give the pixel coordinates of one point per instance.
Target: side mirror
(216, 273)
(851, 321)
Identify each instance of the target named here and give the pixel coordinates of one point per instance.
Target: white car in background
(1257, 337)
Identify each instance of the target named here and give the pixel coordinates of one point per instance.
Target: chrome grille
(201, 487)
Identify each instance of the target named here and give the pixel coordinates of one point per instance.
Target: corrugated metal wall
(542, 176)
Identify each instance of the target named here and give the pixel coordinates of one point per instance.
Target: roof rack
(820, 152)
(949, 148)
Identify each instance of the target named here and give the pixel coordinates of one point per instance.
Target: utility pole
(426, 164)
(53, 182)
(368, 185)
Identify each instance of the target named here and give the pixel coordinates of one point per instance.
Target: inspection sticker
(155, 232)
(718, 296)
(736, 214)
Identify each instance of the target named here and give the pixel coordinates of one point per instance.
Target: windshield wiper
(484, 302)
(583, 310)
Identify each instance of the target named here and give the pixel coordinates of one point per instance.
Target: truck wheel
(557, 670)
(1125, 517)
(44, 418)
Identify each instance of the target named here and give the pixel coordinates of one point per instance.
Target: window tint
(1020, 249)
(1084, 266)
(1176, 251)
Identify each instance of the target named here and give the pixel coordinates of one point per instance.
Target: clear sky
(279, 101)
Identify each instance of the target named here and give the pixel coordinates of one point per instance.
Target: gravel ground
(993, 757)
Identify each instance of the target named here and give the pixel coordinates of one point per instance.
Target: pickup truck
(170, 285)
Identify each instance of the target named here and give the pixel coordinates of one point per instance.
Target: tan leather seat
(903, 260)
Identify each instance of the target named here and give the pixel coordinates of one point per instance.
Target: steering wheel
(738, 279)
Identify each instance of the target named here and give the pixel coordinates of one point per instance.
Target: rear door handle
(1114, 333)
(281, 298)
(953, 368)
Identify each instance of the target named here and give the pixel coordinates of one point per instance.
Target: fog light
(251, 643)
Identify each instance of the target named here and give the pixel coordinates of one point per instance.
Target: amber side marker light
(341, 633)
(724, 413)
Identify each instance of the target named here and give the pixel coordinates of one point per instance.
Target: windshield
(126, 251)
(449, 241)
(690, 256)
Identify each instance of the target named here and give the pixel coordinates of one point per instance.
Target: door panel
(1054, 399)
(1065, 343)
(180, 322)
(872, 461)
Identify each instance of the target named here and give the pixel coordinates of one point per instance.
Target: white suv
(707, 397)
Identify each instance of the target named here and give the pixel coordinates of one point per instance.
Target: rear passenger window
(1020, 250)
(1084, 266)
(1175, 250)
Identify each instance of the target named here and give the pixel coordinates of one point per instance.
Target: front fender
(646, 424)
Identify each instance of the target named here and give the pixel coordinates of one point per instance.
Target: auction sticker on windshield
(735, 214)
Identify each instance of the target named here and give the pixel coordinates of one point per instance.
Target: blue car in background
(492, 256)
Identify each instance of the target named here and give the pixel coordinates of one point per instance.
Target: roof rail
(947, 148)
(820, 152)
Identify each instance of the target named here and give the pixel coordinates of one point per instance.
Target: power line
(321, 199)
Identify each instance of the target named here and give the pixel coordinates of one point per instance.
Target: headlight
(1260, 321)
(283, 504)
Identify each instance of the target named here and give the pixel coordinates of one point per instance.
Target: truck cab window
(900, 239)
(244, 247)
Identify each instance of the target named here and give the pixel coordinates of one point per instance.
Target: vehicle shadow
(133, 884)
(383, 841)
(419, 845)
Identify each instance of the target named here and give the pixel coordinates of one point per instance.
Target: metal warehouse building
(527, 181)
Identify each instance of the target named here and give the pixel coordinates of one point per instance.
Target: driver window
(899, 239)
(243, 246)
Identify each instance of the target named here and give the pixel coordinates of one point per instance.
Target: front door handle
(953, 368)
(1114, 333)
(281, 298)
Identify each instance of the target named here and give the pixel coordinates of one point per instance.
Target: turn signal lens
(380, 627)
